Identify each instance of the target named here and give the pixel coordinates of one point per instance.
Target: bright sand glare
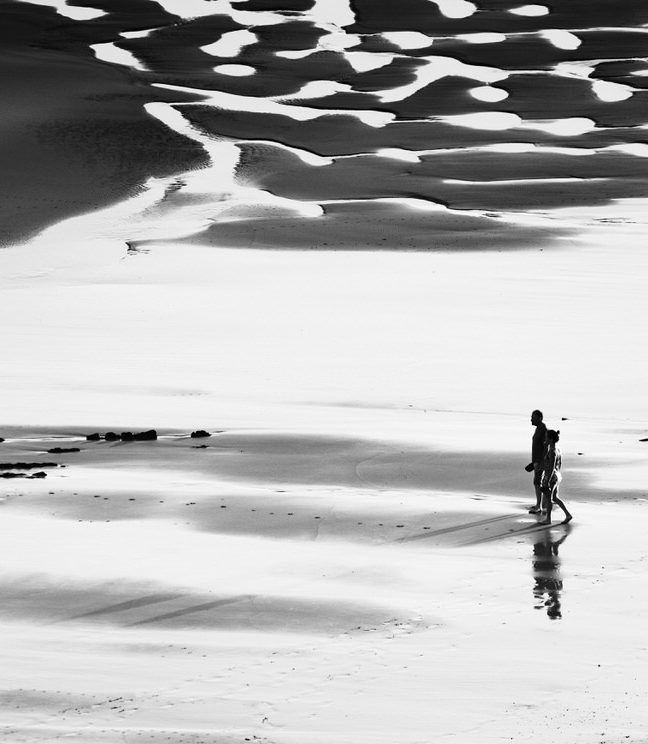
(489, 94)
(530, 10)
(235, 70)
(561, 39)
(485, 37)
(336, 13)
(366, 61)
(233, 102)
(456, 8)
(284, 328)
(109, 52)
(611, 92)
(70, 11)
(487, 120)
(435, 68)
(407, 39)
(316, 89)
(230, 44)
(570, 127)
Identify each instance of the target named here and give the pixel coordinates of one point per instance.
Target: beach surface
(357, 247)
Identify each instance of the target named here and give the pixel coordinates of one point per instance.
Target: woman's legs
(558, 501)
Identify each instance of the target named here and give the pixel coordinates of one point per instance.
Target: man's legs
(537, 479)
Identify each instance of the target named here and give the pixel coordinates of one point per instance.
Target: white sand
(349, 559)
(146, 629)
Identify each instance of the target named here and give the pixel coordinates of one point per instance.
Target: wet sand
(151, 591)
(358, 247)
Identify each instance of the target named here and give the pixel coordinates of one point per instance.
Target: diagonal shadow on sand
(460, 527)
(194, 608)
(528, 529)
(129, 605)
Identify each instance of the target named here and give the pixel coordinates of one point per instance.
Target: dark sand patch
(375, 16)
(277, 76)
(571, 15)
(331, 135)
(305, 460)
(289, 5)
(511, 54)
(531, 52)
(542, 96)
(361, 225)
(74, 133)
(91, 143)
(129, 605)
(174, 51)
(531, 96)
(603, 177)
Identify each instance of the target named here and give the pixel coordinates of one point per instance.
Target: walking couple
(546, 465)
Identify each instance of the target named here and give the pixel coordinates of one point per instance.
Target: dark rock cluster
(199, 434)
(26, 465)
(62, 450)
(125, 436)
(10, 466)
(38, 474)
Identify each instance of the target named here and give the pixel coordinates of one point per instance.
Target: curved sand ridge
(298, 76)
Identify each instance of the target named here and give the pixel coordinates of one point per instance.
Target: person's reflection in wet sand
(548, 584)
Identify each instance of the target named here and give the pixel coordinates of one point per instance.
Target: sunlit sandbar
(231, 43)
(437, 67)
(408, 39)
(366, 61)
(315, 89)
(235, 70)
(530, 10)
(489, 94)
(456, 8)
(73, 12)
(561, 39)
(485, 37)
(502, 120)
(233, 102)
(109, 52)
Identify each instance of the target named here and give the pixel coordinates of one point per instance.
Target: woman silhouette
(552, 478)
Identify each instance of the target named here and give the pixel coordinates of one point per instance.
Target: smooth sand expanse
(153, 593)
(357, 246)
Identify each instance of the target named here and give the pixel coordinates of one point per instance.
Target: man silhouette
(537, 457)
